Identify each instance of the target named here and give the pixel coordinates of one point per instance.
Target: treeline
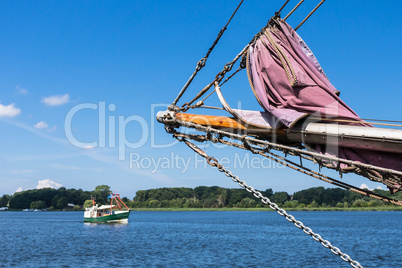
(217, 197)
(199, 197)
(56, 198)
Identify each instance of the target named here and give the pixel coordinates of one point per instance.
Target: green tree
(4, 200)
(153, 203)
(62, 203)
(309, 195)
(268, 193)
(247, 203)
(291, 204)
(359, 203)
(141, 196)
(168, 194)
(339, 205)
(54, 200)
(88, 203)
(38, 204)
(313, 204)
(21, 200)
(101, 193)
(280, 197)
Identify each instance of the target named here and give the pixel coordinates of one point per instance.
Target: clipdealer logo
(108, 122)
(183, 163)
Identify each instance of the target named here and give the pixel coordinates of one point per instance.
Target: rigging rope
(241, 67)
(218, 78)
(201, 103)
(283, 6)
(201, 63)
(293, 10)
(211, 107)
(382, 120)
(309, 15)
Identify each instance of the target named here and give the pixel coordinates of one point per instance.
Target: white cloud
(9, 110)
(48, 184)
(364, 186)
(18, 190)
(41, 124)
(42, 184)
(21, 91)
(56, 100)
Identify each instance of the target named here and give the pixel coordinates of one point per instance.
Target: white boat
(113, 213)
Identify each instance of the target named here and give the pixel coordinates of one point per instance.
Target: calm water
(199, 239)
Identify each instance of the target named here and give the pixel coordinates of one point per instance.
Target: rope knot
(201, 64)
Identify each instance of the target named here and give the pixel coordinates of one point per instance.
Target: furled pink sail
(290, 84)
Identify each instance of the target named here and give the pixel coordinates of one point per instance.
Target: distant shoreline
(382, 208)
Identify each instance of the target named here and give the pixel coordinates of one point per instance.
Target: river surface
(199, 239)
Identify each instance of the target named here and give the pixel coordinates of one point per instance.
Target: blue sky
(121, 62)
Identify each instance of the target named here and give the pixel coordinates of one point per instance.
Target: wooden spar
(370, 138)
(234, 125)
(225, 123)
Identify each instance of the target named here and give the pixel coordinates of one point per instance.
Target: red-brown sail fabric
(290, 84)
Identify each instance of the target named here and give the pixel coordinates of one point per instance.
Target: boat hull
(114, 218)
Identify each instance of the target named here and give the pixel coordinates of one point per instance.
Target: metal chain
(325, 243)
